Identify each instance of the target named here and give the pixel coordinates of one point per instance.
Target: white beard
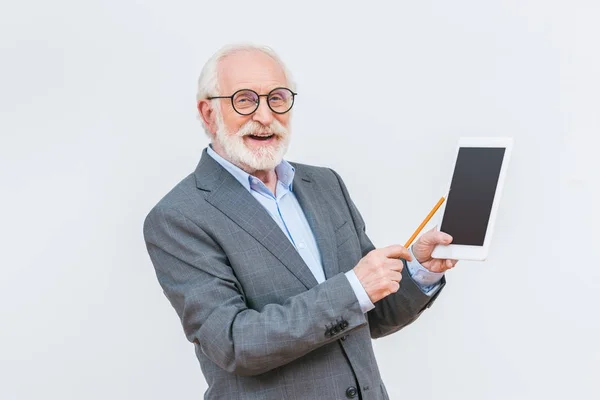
(265, 157)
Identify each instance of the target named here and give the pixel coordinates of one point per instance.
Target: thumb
(437, 237)
(444, 238)
(396, 251)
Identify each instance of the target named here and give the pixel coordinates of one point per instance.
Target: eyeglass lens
(279, 100)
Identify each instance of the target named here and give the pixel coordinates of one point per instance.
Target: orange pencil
(425, 221)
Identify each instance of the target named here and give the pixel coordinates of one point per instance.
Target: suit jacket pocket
(343, 233)
(348, 247)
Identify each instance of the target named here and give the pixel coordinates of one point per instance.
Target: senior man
(267, 262)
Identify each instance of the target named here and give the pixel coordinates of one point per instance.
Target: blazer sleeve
(398, 310)
(194, 273)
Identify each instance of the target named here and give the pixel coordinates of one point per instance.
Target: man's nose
(263, 113)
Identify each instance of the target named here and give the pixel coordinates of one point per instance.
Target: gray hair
(208, 82)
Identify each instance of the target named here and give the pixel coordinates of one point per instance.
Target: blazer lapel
(315, 209)
(233, 200)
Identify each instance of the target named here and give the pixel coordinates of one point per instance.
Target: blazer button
(345, 337)
(351, 392)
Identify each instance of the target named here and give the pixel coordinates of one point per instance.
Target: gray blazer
(261, 325)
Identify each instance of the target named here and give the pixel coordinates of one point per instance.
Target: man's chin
(265, 159)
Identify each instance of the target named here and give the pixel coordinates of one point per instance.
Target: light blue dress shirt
(285, 210)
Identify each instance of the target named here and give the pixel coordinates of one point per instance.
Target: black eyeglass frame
(258, 96)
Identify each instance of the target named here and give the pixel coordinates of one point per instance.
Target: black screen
(472, 190)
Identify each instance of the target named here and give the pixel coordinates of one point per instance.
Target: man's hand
(423, 248)
(380, 271)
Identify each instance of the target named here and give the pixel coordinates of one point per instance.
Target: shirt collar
(284, 170)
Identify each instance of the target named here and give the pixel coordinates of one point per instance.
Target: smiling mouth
(261, 137)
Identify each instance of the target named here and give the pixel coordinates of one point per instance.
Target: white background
(97, 123)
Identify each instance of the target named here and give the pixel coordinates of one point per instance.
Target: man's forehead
(250, 69)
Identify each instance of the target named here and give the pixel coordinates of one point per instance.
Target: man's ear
(207, 113)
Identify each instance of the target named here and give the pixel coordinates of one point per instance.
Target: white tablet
(471, 206)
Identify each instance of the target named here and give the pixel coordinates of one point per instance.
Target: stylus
(425, 221)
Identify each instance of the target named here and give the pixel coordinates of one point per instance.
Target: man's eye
(242, 100)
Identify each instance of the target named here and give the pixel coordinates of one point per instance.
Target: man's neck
(269, 178)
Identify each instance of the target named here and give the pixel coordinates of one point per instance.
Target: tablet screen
(471, 195)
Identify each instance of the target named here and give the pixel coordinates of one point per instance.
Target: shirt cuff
(360, 292)
(427, 281)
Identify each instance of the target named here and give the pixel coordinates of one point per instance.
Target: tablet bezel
(469, 252)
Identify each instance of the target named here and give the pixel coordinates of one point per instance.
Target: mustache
(256, 128)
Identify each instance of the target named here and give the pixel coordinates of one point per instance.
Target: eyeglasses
(245, 101)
